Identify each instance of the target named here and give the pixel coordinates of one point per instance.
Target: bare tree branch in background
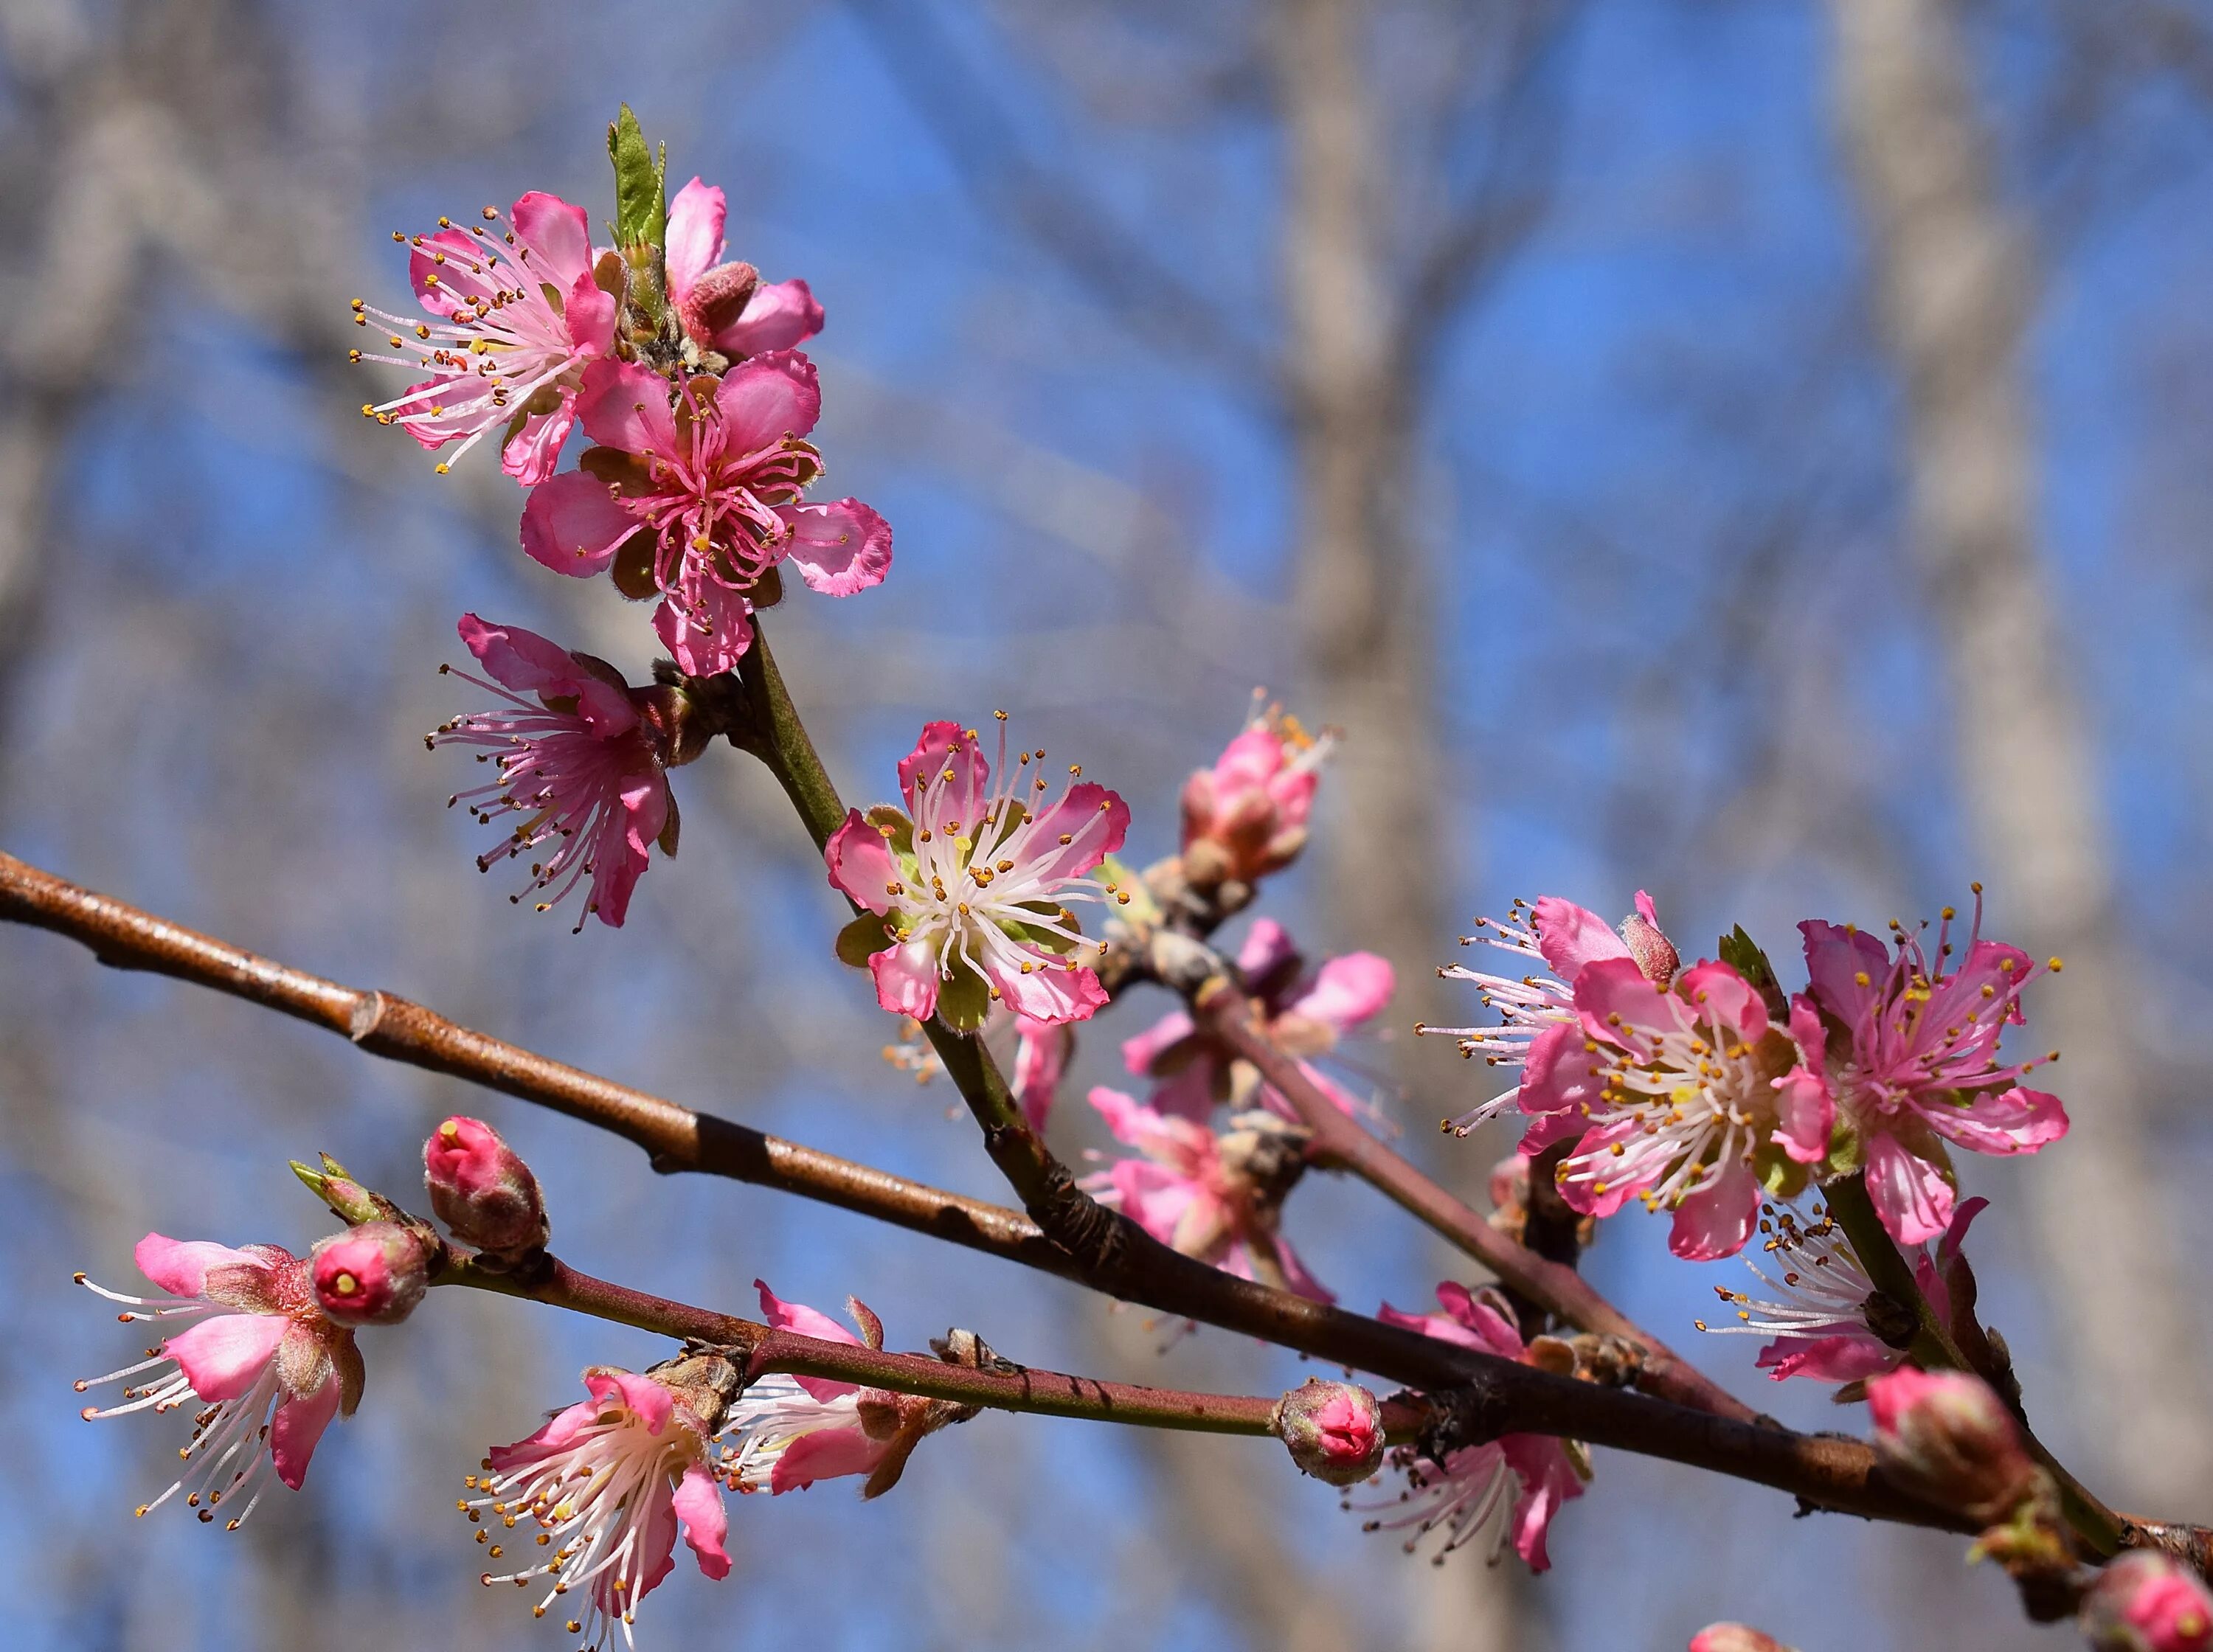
(1954, 278)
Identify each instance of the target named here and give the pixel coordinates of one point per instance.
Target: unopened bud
(372, 1274)
(1948, 1435)
(717, 299)
(1334, 1430)
(2146, 1601)
(1655, 956)
(1247, 816)
(482, 1190)
(1734, 1638)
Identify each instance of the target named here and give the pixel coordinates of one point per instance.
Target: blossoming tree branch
(1809, 1131)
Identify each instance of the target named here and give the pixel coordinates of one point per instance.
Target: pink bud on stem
(1334, 1430)
(373, 1273)
(1734, 1638)
(481, 1189)
(2146, 1601)
(1948, 1436)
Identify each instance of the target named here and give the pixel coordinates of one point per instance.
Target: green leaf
(641, 184)
(1742, 954)
(863, 939)
(964, 999)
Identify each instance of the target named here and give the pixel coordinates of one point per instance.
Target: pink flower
(704, 481)
(1215, 1199)
(1307, 1017)
(1687, 1089)
(1818, 1315)
(965, 892)
(578, 763)
(725, 307)
(1918, 1064)
(271, 1367)
(1530, 1475)
(1247, 816)
(1537, 1034)
(514, 321)
(609, 1482)
(1042, 1049)
(2146, 1601)
(793, 1430)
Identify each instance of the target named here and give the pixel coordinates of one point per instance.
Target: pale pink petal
(298, 1424)
(698, 1505)
(861, 864)
(1152, 1196)
(1845, 1359)
(558, 237)
(906, 979)
(651, 1403)
(1094, 820)
(1041, 1054)
(1347, 991)
(766, 398)
(1908, 1193)
(223, 1356)
(2017, 1120)
(1717, 993)
(1571, 936)
(839, 548)
(808, 1322)
(1491, 1329)
(694, 243)
(1805, 1111)
(825, 1455)
(623, 405)
(179, 1266)
(1716, 1219)
(532, 454)
(778, 316)
(572, 524)
(1055, 995)
(1140, 1054)
(962, 795)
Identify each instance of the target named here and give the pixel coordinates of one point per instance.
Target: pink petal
(559, 236)
(712, 639)
(532, 454)
(1963, 1218)
(2017, 1120)
(624, 850)
(1095, 820)
(906, 979)
(1154, 1196)
(572, 524)
(1559, 1075)
(651, 1403)
(1845, 1359)
(769, 398)
(839, 548)
(699, 1505)
(1571, 936)
(1616, 1003)
(779, 315)
(625, 405)
(1431, 1325)
(1041, 1053)
(298, 1424)
(1646, 910)
(1719, 994)
(861, 864)
(1908, 1193)
(589, 311)
(223, 1356)
(1267, 946)
(825, 1455)
(1491, 1329)
(1298, 1275)
(1347, 991)
(1835, 958)
(1053, 994)
(807, 1322)
(1139, 1053)
(1805, 1111)
(1716, 1219)
(521, 660)
(945, 745)
(179, 1266)
(1548, 1480)
(694, 242)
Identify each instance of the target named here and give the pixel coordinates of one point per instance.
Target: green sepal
(1742, 954)
(863, 939)
(641, 184)
(900, 837)
(1847, 1149)
(1783, 1176)
(964, 999)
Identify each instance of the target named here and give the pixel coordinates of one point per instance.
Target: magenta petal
(1845, 1359)
(298, 1424)
(693, 245)
(1347, 991)
(1805, 1111)
(534, 453)
(1559, 1076)
(223, 1356)
(572, 524)
(519, 659)
(625, 405)
(778, 316)
(179, 1266)
(906, 979)
(861, 863)
(1908, 1193)
(1548, 1480)
(806, 1321)
(1267, 946)
(1570, 936)
(558, 235)
(589, 310)
(1490, 1327)
(1835, 960)
(710, 638)
(1716, 1219)
(825, 1455)
(767, 398)
(2011, 1121)
(839, 548)
(698, 1505)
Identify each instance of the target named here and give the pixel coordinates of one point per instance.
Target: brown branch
(675, 1138)
(1227, 1015)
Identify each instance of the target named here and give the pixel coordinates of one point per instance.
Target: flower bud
(1247, 816)
(1948, 1435)
(372, 1274)
(1334, 1429)
(1655, 956)
(2146, 1601)
(1734, 1638)
(481, 1189)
